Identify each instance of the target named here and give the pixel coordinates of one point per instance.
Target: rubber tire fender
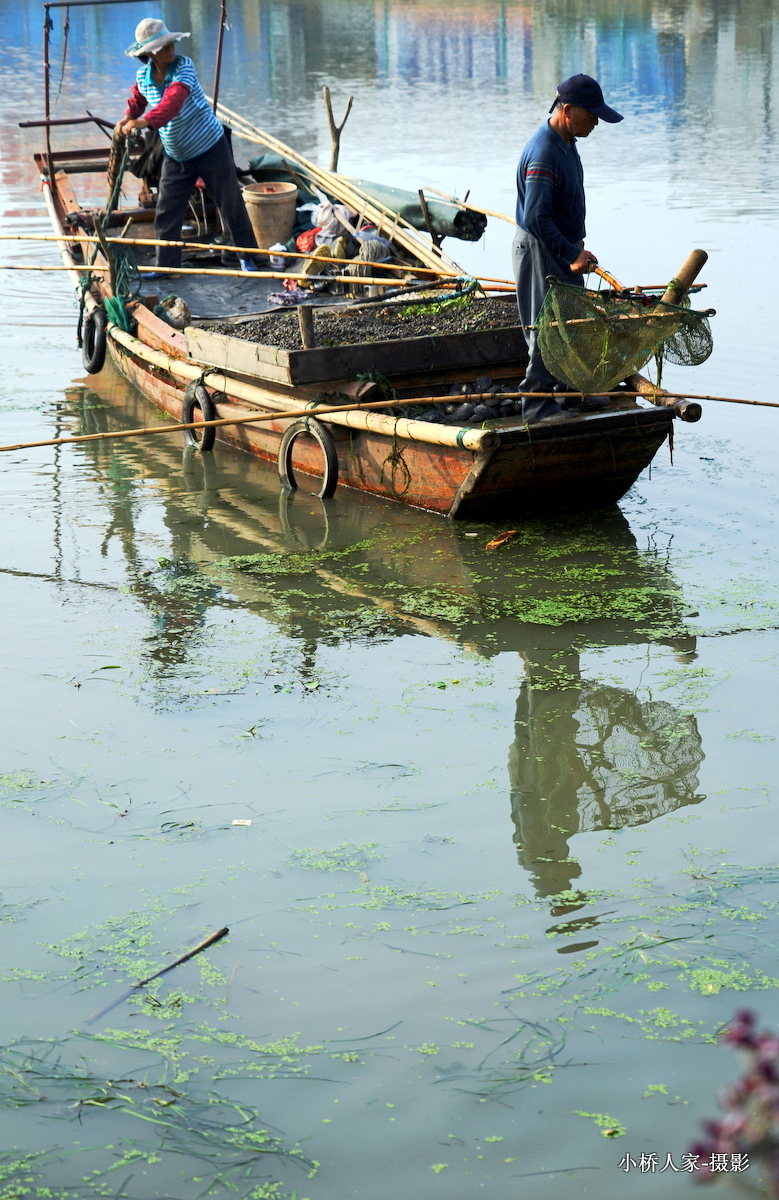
(94, 341)
(196, 396)
(324, 438)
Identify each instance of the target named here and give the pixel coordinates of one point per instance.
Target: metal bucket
(271, 209)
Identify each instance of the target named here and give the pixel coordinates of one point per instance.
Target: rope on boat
(125, 273)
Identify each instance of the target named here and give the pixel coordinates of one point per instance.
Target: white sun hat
(150, 36)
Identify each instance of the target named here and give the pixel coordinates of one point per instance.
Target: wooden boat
(503, 468)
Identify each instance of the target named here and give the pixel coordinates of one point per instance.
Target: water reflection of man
(550, 219)
(590, 756)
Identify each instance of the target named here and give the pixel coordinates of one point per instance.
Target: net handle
(610, 279)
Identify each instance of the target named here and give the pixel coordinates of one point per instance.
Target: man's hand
(128, 124)
(583, 262)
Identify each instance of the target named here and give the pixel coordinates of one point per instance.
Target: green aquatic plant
(19, 781)
(608, 1126)
(161, 1116)
(346, 857)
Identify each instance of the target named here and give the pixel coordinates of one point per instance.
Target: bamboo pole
(485, 212)
(174, 271)
(401, 231)
(677, 288)
(721, 399)
(489, 212)
(150, 430)
(88, 239)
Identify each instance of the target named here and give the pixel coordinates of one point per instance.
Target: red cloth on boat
(169, 107)
(306, 242)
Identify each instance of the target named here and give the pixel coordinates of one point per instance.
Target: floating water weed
(346, 857)
(19, 781)
(160, 1118)
(607, 1125)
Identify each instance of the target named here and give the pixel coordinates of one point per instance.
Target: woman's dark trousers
(216, 167)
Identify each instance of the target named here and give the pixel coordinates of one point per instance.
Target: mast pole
(46, 93)
(220, 40)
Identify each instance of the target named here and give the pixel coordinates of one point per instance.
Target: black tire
(196, 397)
(326, 444)
(93, 344)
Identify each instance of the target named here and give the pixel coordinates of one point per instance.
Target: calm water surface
(512, 852)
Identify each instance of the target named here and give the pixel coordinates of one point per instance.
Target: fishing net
(593, 340)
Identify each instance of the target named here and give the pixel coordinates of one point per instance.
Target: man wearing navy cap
(550, 218)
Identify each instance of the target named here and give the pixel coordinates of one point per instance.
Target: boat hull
(581, 463)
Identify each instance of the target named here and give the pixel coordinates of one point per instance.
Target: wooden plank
(79, 155)
(86, 168)
(478, 349)
(475, 351)
(65, 194)
(157, 333)
(604, 423)
(232, 354)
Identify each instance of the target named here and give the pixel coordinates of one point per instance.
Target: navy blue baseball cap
(585, 92)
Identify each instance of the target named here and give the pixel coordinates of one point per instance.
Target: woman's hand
(128, 125)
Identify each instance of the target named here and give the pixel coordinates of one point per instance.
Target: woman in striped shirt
(194, 142)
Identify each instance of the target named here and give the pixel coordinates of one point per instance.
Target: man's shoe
(171, 274)
(248, 264)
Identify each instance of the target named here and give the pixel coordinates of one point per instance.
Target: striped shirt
(550, 193)
(195, 129)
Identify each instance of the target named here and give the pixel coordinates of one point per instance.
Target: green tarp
(447, 219)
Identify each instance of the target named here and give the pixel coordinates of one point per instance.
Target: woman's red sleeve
(136, 104)
(169, 106)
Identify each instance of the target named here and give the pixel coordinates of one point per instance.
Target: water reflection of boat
(586, 755)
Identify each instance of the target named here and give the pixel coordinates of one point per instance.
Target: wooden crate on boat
(474, 351)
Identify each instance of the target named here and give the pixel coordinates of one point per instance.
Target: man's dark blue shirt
(550, 187)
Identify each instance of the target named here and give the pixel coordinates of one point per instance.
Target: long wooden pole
(219, 46)
(485, 212)
(150, 430)
(173, 271)
(88, 239)
(394, 226)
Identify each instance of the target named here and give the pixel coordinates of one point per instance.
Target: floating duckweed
(346, 857)
(607, 1125)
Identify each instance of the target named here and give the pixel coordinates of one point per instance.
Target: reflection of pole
(220, 40)
(57, 489)
(384, 40)
(502, 40)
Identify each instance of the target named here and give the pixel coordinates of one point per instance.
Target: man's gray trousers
(532, 262)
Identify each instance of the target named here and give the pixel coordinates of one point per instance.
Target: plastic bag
(332, 219)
